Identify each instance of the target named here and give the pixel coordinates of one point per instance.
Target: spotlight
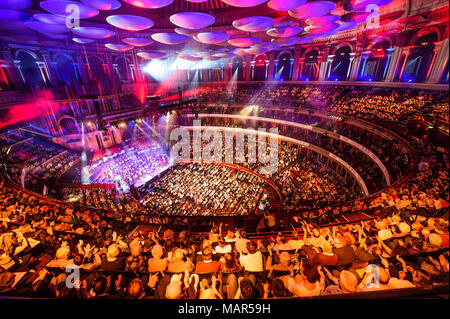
(157, 69)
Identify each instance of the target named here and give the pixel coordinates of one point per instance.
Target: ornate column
(52, 76)
(322, 62)
(44, 72)
(390, 51)
(393, 64)
(108, 67)
(296, 67)
(405, 53)
(271, 67)
(275, 69)
(115, 68)
(248, 68)
(292, 68)
(228, 70)
(323, 65)
(13, 70)
(82, 70)
(115, 83)
(133, 73)
(355, 66)
(301, 63)
(365, 56)
(439, 62)
(319, 68)
(352, 58)
(253, 70)
(19, 68)
(222, 70)
(329, 63)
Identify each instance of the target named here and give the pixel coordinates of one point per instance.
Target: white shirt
(223, 250)
(252, 262)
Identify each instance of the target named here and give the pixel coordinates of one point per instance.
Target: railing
(321, 131)
(297, 142)
(385, 133)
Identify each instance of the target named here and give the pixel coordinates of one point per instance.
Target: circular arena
(274, 155)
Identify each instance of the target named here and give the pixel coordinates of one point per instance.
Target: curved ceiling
(221, 25)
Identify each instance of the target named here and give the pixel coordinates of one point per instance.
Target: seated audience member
(177, 263)
(347, 283)
(157, 263)
(135, 262)
(112, 261)
(207, 265)
(253, 261)
(344, 252)
(135, 289)
(241, 242)
(309, 282)
(230, 268)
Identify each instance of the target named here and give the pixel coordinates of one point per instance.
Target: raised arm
(330, 276)
(384, 246)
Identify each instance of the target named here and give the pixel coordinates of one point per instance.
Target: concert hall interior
(224, 149)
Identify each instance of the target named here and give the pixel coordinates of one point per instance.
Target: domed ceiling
(145, 28)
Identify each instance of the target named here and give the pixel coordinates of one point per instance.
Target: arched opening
(97, 72)
(311, 67)
(284, 68)
(260, 68)
(377, 63)
(341, 63)
(64, 69)
(68, 125)
(419, 60)
(30, 69)
(238, 68)
(123, 70)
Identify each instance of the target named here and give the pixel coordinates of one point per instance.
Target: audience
(122, 251)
